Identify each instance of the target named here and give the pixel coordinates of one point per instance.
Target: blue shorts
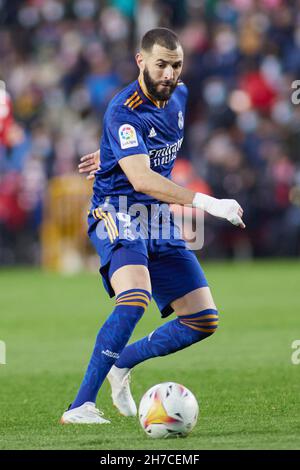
(174, 270)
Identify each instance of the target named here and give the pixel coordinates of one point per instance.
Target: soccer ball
(168, 410)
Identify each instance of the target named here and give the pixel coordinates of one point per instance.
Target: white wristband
(203, 201)
(228, 209)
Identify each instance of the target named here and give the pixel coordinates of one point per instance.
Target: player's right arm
(124, 131)
(145, 180)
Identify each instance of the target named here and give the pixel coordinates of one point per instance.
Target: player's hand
(228, 209)
(90, 164)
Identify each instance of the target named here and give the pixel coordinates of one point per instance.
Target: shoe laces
(99, 412)
(96, 411)
(126, 382)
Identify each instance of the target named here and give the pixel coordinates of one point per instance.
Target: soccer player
(142, 133)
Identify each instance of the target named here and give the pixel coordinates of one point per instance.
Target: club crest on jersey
(180, 120)
(127, 136)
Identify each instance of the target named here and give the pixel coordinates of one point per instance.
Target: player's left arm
(90, 164)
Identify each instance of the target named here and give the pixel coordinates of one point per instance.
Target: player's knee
(206, 321)
(135, 298)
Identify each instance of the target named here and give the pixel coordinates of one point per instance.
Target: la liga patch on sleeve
(127, 136)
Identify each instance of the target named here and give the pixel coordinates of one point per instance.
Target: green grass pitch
(243, 377)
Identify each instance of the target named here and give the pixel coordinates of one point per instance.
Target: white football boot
(119, 380)
(84, 414)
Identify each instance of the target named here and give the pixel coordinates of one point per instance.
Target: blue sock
(170, 337)
(111, 340)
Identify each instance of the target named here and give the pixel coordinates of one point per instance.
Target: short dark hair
(162, 36)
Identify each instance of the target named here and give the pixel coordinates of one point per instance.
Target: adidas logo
(152, 133)
(111, 354)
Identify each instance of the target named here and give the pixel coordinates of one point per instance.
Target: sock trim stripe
(130, 301)
(134, 294)
(133, 304)
(125, 294)
(199, 320)
(209, 327)
(201, 317)
(199, 323)
(133, 298)
(204, 330)
(204, 325)
(208, 313)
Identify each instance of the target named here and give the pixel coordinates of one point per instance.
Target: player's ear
(140, 60)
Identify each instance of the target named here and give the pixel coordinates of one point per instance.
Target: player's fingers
(92, 173)
(89, 156)
(86, 169)
(86, 163)
(240, 223)
(94, 168)
(91, 176)
(236, 220)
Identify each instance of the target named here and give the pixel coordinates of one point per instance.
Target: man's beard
(152, 87)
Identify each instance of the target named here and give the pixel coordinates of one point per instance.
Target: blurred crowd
(62, 61)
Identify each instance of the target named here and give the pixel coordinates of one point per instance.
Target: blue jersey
(134, 124)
